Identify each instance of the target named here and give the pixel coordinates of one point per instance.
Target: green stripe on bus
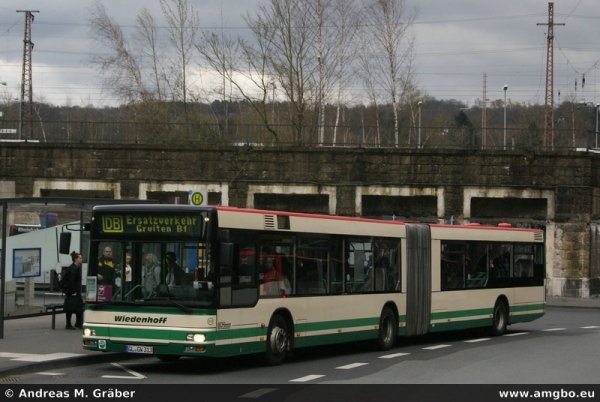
(351, 323)
(442, 315)
(525, 317)
(455, 325)
(527, 307)
(350, 330)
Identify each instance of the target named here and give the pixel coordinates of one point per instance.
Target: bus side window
(524, 268)
(307, 278)
(247, 265)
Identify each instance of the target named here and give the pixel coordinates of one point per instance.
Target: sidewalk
(572, 302)
(31, 345)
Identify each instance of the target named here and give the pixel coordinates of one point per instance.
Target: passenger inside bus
(449, 277)
(107, 270)
(501, 263)
(151, 272)
(270, 278)
(174, 271)
(106, 267)
(450, 281)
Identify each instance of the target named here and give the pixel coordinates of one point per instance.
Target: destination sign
(152, 224)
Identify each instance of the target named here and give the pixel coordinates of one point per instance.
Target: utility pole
(549, 105)
(26, 115)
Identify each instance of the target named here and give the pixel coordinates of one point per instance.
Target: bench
(55, 308)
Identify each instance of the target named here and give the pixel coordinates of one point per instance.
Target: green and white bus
(251, 281)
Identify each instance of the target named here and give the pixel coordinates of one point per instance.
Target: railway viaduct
(556, 191)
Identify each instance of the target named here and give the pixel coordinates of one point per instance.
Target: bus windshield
(151, 258)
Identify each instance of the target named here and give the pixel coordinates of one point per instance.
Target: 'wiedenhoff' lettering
(141, 320)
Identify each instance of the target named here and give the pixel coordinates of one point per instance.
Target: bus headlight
(89, 332)
(198, 338)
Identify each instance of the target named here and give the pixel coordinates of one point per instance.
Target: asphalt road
(560, 348)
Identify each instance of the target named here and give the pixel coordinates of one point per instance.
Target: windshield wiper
(169, 299)
(181, 306)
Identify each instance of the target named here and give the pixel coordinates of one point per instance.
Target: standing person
(73, 300)
(128, 276)
(151, 273)
(175, 272)
(106, 269)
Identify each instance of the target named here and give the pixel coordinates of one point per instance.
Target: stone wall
(557, 191)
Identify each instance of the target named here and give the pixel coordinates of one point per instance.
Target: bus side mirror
(65, 242)
(226, 255)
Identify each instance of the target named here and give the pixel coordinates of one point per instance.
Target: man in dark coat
(73, 300)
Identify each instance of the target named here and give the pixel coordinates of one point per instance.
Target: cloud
(457, 42)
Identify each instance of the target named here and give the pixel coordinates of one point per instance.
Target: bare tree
(138, 69)
(320, 13)
(183, 24)
(244, 66)
(222, 53)
(388, 24)
(345, 22)
(117, 62)
(37, 108)
(284, 27)
(366, 70)
(148, 41)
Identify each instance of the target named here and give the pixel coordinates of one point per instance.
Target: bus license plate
(139, 349)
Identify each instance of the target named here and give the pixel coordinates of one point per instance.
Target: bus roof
(189, 208)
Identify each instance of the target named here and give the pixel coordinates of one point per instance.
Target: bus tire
(499, 318)
(388, 329)
(168, 358)
(277, 341)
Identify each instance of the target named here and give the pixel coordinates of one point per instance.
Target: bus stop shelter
(21, 215)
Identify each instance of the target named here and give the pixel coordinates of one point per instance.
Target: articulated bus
(253, 281)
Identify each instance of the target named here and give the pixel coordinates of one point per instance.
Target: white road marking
(516, 334)
(134, 375)
(29, 357)
(436, 347)
(258, 393)
(393, 355)
(478, 340)
(307, 378)
(10, 355)
(553, 329)
(47, 373)
(591, 327)
(351, 366)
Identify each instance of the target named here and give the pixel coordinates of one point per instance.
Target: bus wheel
(388, 329)
(277, 341)
(168, 358)
(500, 318)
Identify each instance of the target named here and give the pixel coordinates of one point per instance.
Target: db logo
(112, 224)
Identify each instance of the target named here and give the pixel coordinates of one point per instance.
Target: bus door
(418, 286)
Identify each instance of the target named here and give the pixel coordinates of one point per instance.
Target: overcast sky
(457, 42)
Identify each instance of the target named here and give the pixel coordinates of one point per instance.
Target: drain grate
(9, 379)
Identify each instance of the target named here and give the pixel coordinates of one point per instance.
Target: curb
(571, 306)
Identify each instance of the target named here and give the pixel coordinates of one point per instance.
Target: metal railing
(259, 135)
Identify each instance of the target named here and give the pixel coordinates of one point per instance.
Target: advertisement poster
(104, 293)
(27, 262)
(90, 288)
